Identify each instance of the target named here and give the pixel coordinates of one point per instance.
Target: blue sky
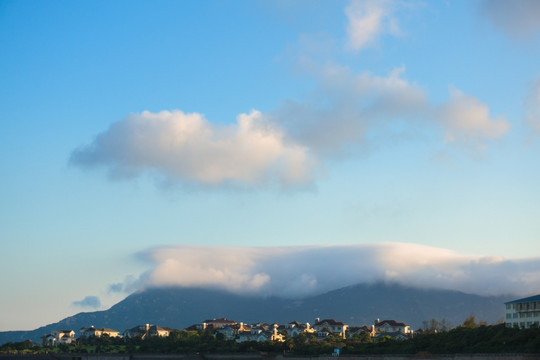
(131, 131)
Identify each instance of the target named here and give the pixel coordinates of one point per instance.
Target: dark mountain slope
(362, 304)
(355, 305)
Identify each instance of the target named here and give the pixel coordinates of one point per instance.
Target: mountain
(355, 305)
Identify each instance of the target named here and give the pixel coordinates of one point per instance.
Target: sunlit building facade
(523, 313)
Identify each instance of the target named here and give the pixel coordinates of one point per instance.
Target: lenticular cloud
(307, 270)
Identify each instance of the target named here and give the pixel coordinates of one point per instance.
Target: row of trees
(467, 338)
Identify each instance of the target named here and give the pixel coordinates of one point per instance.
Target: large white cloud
(368, 19)
(519, 18)
(285, 145)
(345, 113)
(189, 148)
(299, 271)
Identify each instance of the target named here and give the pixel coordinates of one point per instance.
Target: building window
(515, 315)
(508, 316)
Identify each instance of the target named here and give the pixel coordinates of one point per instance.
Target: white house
(48, 340)
(391, 326)
(359, 330)
(523, 313)
(218, 323)
(92, 331)
(64, 336)
(228, 331)
(59, 337)
(259, 334)
(252, 335)
(330, 326)
(147, 330)
(295, 328)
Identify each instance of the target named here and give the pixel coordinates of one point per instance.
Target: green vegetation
(20, 347)
(463, 339)
(468, 338)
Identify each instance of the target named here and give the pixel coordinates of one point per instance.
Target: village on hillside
(521, 313)
(231, 330)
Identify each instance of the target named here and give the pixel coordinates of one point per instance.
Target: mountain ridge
(358, 304)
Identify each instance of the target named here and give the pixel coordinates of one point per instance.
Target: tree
(470, 322)
(289, 344)
(301, 338)
(434, 325)
(362, 337)
(445, 325)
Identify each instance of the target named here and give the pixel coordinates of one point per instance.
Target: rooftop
(527, 299)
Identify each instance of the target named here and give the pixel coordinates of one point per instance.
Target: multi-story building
(523, 313)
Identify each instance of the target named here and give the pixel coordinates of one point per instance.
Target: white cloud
(188, 148)
(347, 106)
(346, 113)
(348, 109)
(367, 20)
(519, 18)
(299, 271)
(466, 119)
(91, 302)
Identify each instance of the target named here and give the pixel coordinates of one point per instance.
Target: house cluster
(521, 313)
(240, 332)
(59, 337)
(68, 336)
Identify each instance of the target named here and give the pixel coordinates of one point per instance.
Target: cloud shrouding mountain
(307, 270)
